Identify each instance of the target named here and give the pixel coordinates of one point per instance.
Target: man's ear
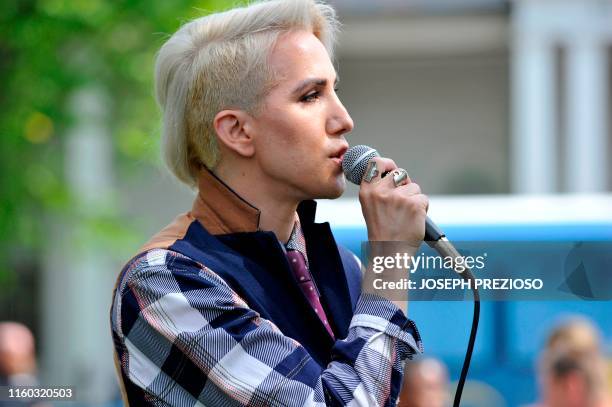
(233, 129)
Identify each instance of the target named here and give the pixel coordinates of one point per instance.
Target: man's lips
(339, 155)
(338, 160)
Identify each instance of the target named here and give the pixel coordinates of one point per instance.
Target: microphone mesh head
(355, 162)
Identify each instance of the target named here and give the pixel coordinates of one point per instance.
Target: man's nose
(340, 122)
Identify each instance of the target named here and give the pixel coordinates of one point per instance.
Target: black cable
(470, 348)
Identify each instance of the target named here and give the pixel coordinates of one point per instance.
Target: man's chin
(332, 189)
(333, 193)
(331, 196)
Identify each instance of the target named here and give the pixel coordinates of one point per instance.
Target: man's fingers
(410, 189)
(391, 181)
(377, 167)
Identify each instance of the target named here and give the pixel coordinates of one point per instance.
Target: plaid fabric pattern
(297, 240)
(185, 338)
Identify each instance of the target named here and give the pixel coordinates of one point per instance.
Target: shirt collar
(297, 240)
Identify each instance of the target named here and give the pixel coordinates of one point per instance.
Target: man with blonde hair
(245, 300)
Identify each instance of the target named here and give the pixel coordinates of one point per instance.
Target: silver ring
(399, 175)
(371, 171)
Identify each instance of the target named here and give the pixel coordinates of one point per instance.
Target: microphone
(354, 165)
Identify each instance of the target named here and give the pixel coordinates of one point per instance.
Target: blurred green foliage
(49, 49)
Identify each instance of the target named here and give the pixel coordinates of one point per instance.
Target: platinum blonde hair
(220, 61)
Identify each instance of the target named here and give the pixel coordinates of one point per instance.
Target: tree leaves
(48, 49)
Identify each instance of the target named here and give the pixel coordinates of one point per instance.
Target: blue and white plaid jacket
(210, 314)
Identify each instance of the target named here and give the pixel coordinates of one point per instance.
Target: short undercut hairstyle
(218, 62)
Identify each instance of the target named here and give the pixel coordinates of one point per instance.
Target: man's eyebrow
(312, 81)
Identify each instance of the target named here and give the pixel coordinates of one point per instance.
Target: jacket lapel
(327, 269)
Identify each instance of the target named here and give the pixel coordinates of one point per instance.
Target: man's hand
(393, 213)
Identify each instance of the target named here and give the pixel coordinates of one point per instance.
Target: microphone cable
(437, 240)
(471, 341)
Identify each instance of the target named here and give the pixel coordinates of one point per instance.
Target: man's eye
(310, 97)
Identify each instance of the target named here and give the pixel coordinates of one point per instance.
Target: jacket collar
(222, 211)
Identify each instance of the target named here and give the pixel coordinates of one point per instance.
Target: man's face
(567, 391)
(299, 130)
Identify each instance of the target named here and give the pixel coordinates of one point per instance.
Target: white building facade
(508, 97)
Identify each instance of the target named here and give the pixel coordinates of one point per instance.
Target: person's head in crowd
(17, 353)
(572, 368)
(425, 384)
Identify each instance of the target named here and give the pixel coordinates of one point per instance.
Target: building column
(77, 281)
(533, 143)
(586, 109)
